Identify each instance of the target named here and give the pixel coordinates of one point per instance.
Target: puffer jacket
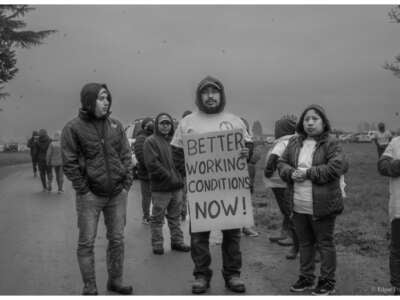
(95, 152)
(328, 164)
(164, 176)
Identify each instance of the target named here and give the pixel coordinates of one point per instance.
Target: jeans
(231, 255)
(311, 232)
(59, 176)
(34, 165)
(89, 207)
(287, 223)
(46, 176)
(146, 198)
(166, 204)
(394, 260)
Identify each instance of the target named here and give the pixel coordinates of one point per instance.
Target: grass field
(13, 158)
(363, 226)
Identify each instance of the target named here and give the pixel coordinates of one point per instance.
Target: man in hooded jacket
(211, 117)
(97, 160)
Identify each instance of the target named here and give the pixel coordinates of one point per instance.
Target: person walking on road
(311, 165)
(44, 170)
(211, 117)
(284, 130)
(34, 150)
(54, 160)
(97, 159)
(389, 165)
(147, 130)
(166, 186)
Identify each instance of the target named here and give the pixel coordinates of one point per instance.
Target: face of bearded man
(210, 98)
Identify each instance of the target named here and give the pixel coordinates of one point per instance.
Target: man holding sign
(210, 147)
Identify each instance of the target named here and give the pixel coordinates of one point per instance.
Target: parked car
(11, 147)
(363, 137)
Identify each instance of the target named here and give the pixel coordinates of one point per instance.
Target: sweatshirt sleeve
(70, 157)
(126, 159)
(49, 154)
(284, 167)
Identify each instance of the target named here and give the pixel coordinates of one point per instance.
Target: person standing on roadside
(147, 130)
(389, 165)
(54, 160)
(46, 175)
(97, 160)
(312, 165)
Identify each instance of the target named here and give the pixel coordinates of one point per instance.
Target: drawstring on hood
(157, 131)
(210, 81)
(285, 126)
(321, 112)
(89, 95)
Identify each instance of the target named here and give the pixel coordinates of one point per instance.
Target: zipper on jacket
(105, 154)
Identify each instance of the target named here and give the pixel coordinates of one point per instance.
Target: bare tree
(394, 66)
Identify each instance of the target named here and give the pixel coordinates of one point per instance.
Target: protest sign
(218, 183)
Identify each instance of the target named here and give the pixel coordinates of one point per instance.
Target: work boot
(292, 254)
(288, 241)
(119, 288)
(90, 289)
(158, 250)
(200, 285)
(180, 247)
(282, 236)
(235, 284)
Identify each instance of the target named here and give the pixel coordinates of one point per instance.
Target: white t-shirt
(277, 148)
(302, 197)
(200, 122)
(383, 138)
(393, 151)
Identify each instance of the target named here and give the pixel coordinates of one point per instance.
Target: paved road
(38, 237)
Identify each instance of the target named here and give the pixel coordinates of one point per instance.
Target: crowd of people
(304, 168)
(46, 156)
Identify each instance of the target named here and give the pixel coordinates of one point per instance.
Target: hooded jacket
(43, 145)
(139, 143)
(328, 164)
(95, 151)
(33, 145)
(159, 163)
(53, 156)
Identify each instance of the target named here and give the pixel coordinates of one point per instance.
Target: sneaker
(60, 191)
(250, 232)
(120, 289)
(180, 247)
(235, 284)
(158, 251)
(324, 287)
(302, 284)
(146, 221)
(200, 285)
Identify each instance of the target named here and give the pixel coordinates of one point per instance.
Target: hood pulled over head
(89, 95)
(162, 117)
(285, 126)
(206, 82)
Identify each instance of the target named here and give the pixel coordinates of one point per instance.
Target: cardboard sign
(218, 183)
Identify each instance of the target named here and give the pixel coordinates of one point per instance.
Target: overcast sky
(271, 59)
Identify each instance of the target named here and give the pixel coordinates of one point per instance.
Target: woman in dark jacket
(311, 166)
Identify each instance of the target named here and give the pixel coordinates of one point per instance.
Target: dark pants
(146, 198)
(280, 194)
(46, 176)
(394, 260)
(88, 208)
(59, 176)
(311, 232)
(381, 149)
(34, 165)
(231, 255)
(184, 209)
